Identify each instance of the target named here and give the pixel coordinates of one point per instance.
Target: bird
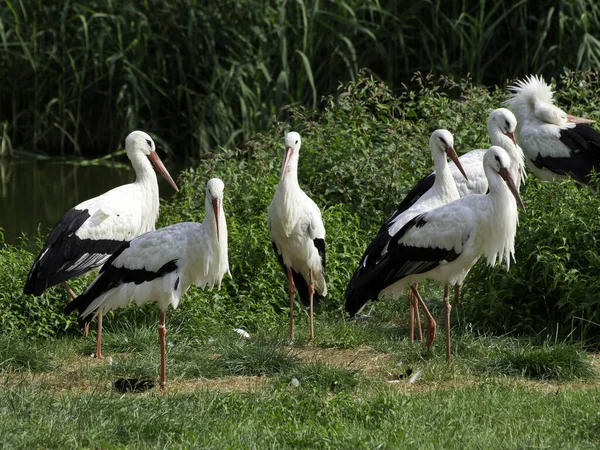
(442, 190)
(85, 236)
(298, 235)
(444, 243)
(556, 145)
(161, 265)
(501, 125)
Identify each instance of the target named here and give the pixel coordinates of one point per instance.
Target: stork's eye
(507, 124)
(296, 142)
(149, 142)
(443, 141)
(498, 159)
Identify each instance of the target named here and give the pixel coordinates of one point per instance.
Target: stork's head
(498, 160)
(533, 97)
(442, 142)
(139, 142)
(292, 149)
(503, 121)
(214, 198)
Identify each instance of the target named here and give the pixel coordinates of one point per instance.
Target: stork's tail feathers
(80, 304)
(34, 285)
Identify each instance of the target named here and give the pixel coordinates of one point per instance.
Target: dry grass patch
(363, 359)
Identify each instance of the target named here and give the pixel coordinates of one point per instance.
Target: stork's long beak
(511, 135)
(454, 157)
(288, 154)
(575, 119)
(216, 203)
(507, 177)
(160, 167)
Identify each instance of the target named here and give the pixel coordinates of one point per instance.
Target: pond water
(38, 193)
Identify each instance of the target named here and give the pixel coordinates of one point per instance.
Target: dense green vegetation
(76, 77)
(359, 156)
(360, 384)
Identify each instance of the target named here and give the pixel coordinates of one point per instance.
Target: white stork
(442, 190)
(556, 144)
(501, 125)
(161, 265)
(86, 236)
(298, 235)
(444, 243)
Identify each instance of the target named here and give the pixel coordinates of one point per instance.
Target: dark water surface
(38, 193)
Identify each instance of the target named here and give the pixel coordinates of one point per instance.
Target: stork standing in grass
(501, 125)
(298, 235)
(443, 190)
(161, 265)
(443, 244)
(86, 236)
(556, 145)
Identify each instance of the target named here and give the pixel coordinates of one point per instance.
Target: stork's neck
(517, 159)
(218, 242)
(499, 192)
(444, 181)
(289, 180)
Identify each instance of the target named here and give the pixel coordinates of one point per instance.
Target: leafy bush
(359, 156)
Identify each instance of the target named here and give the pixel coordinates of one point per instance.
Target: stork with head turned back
(444, 243)
(556, 145)
(86, 236)
(298, 235)
(161, 265)
(442, 190)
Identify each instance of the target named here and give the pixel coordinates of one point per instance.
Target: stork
(501, 125)
(298, 235)
(86, 236)
(160, 266)
(442, 190)
(556, 145)
(443, 244)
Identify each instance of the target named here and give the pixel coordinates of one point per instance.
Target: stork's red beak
(511, 135)
(575, 119)
(216, 203)
(507, 177)
(454, 157)
(288, 154)
(160, 168)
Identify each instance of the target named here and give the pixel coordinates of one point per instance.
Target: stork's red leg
(311, 292)
(99, 337)
(162, 333)
(411, 317)
(447, 309)
(431, 325)
(457, 294)
(418, 317)
(291, 288)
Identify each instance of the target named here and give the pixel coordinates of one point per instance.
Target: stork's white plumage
(298, 235)
(501, 124)
(442, 190)
(556, 144)
(161, 265)
(86, 236)
(444, 243)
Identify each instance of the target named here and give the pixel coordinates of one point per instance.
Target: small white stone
(294, 382)
(211, 339)
(242, 333)
(109, 360)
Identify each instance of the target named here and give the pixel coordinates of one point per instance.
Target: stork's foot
(430, 333)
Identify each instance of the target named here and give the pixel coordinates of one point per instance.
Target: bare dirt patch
(363, 359)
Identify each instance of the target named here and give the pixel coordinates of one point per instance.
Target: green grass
(362, 398)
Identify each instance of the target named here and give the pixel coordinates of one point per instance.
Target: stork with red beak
(298, 235)
(161, 265)
(86, 236)
(557, 145)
